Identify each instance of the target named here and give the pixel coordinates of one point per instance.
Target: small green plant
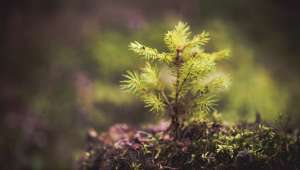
(193, 78)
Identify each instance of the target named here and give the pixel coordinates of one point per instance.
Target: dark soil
(203, 145)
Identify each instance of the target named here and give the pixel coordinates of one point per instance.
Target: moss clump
(200, 146)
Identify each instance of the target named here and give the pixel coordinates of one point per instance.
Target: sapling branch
(188, 63)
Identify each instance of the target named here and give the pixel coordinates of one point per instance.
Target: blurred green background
(62, 60)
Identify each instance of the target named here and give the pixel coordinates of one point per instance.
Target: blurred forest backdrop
(62, 60)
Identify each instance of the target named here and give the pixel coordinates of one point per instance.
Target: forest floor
(199, 145)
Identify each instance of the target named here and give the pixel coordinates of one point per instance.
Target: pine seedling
(194, 83)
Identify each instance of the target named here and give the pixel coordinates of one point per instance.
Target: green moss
(201, 146)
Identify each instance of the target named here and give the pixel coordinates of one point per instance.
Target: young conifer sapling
(194, 83)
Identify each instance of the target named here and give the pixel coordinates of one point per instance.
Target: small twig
(184, 80)
(163, 94)
(167, 102)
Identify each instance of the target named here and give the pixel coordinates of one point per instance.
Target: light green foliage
(177, 37)
(154, 102)
(135, 166)
(195, 81)
(133, 82)
(149, 53)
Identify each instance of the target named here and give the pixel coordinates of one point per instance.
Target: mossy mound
(204, 145)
